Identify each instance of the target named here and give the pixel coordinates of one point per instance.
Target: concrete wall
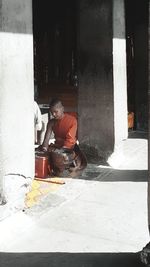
(95, 96)
(119, 72)
(16, 92)
(148, 197)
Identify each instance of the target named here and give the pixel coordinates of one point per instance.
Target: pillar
(119, 72)
(95, 93)
(148, 198)
(16, 98)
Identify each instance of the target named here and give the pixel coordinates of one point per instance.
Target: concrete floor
(99, 219)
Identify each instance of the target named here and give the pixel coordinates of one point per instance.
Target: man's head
(56, 108)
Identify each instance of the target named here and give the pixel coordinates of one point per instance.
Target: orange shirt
(65, 131)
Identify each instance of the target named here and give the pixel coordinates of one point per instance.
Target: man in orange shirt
(64, 154)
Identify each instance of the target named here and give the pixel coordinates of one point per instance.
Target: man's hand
(41, 149)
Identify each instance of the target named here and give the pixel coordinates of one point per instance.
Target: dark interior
(137, 60)
(55, 51)
(55, 31)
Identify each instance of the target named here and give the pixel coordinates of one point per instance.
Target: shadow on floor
(70, 260)
(138, 134)
(114, 175)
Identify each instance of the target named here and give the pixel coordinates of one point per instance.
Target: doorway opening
(137, 61)
(55, 51)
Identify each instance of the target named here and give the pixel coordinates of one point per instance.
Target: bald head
(55, 102)
(56, 108)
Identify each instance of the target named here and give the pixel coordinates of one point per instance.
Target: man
(64, 154)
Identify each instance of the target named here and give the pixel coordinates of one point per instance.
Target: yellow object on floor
(40, 188)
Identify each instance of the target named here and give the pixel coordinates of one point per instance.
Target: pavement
(98, 219)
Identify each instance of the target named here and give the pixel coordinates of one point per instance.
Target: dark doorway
(55, 51)
(137, 61)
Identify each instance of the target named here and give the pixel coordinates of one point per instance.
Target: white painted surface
(119, 72)
(16, 91)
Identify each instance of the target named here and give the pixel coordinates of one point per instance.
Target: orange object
(65, 131)
(42, 168)
(130, 120)
(72, 114)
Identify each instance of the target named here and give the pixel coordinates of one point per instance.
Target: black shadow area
(114, 175)
(70, 260)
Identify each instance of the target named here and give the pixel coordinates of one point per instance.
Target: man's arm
(47, 136)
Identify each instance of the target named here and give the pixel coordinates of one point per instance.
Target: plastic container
(42, 167)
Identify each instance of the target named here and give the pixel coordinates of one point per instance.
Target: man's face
(57, 111)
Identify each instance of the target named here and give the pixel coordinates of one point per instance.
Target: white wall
(16, 90)
(119, 72)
